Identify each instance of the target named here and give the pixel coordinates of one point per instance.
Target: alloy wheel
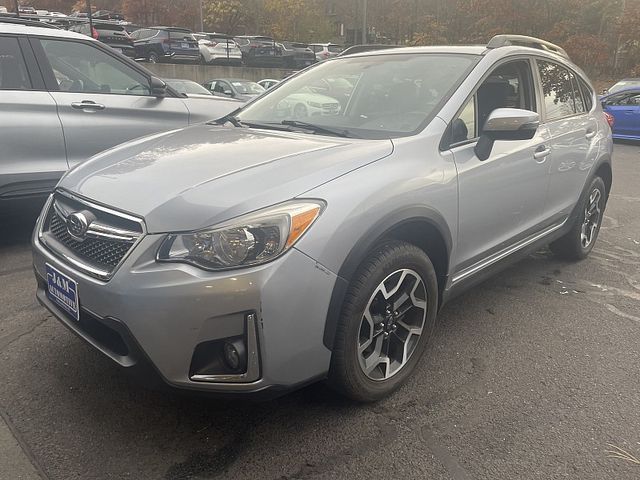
(392, 324)
(591, 219)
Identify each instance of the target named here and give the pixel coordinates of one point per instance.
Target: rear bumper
(127, 50)
(182, 57)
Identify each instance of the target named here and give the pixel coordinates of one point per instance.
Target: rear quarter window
(587, 95)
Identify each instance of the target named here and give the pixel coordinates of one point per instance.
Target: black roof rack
(525, 41)
(28, 22)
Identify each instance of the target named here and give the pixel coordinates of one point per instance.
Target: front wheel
(579, 241)
(300, 111)
(386, 321)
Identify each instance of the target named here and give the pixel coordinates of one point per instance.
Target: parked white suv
(324, 51)
(218, 48)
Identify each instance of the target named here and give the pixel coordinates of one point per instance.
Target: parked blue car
(625, 107)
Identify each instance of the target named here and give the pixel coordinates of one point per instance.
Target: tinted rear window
(174, 35)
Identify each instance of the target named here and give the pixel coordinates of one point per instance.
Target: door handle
(87, 105)
(590, 133)
(541, 152)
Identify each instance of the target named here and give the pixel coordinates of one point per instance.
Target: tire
(386, 264)
(300, 111)
(153, 57)
(578, 242)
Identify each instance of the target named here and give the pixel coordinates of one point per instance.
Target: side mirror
(158, 87)
(506, 124)
(228, 93)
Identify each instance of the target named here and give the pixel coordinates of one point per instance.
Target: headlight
(315, 104)
(251, 239)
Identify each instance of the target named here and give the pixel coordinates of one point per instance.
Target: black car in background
(111, 34)
(296, 55)
(259, 51)
(107, 15)
(161, 44)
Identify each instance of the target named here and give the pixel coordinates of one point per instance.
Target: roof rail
(27, 22)
(365, 48)
(525, 41)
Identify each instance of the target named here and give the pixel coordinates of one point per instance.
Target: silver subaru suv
(273, 248)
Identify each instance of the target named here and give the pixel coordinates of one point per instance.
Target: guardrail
(202, 73)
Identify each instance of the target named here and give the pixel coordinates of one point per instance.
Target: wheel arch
(604, 171)
(421, 226)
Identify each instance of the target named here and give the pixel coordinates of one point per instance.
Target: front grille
(110, 236)
(330, 108)
(105, 253)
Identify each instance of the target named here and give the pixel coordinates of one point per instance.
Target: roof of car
(464, 49)
(621, 92)
(18, 29)
(460, 49)
(175, 29)
(230, 80)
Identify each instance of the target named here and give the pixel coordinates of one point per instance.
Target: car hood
(199, 176)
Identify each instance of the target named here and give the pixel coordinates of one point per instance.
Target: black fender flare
(602, 160)
(361, 248)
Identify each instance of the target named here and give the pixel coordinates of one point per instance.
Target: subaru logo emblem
(77, 225)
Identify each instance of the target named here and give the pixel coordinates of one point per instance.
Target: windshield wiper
(228, 118)
(316, 128)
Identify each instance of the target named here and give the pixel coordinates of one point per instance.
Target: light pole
(201, 17)
(90, 13)
(364, 22)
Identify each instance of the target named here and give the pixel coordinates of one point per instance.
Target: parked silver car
(65, 97)
(259, 253)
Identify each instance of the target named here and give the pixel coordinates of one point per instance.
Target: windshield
(247, 88)
(379, 96)
(187, 87)
(335, 48)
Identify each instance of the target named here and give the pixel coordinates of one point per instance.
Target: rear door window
(13, 70)
(557, 89)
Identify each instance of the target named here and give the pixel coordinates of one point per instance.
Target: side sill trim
(496, 257)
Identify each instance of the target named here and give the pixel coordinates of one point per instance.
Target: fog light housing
(231, 359)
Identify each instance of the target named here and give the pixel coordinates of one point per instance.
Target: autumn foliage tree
(597, 33)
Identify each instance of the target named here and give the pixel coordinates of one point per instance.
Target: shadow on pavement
(16, 225)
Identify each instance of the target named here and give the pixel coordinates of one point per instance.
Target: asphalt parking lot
(530, 376)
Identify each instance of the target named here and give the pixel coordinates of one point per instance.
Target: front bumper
(162, 311)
